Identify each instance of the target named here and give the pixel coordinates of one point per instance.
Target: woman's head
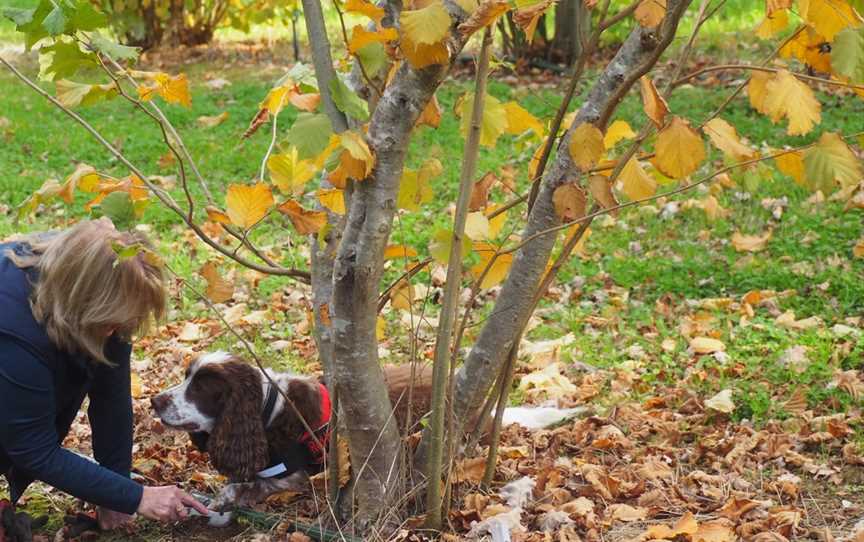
(86, 292)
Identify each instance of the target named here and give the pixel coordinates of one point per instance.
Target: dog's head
(219, 402)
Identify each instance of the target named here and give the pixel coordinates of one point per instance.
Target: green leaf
(112, 49)
(125, 252)
(302, 75)
(55, 22)
(72, 94)
(347, 100)
(87, 18)
(19, 16)
(32, 27)
(373, 57)
(847, 54)
(441, 243)
(310, 134)
(830, 163)
(62, 60)
(119, 208)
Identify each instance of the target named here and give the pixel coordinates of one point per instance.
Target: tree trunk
(514, 304)
(572, 27)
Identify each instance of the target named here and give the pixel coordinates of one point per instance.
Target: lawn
(643, 285)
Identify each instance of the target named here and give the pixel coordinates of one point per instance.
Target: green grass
(811, 245)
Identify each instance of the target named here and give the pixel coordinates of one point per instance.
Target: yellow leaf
(654, 105)
(494, 122)
(750, 243)
(725, 138)
(497, 222)
(637, 183)
(421, 55)
(756, 90)
(617, 131)
(650, 13)
(83, 178)
(442, 241)
(276, 99)
(569, 202)
(485, 14)
(426, 26)
(393, 252)
(173, 89)
(497, 271)
(72, 94)
(527, 17)
(477, 226)
(333, 199)
(380, 334)
(362, 160)
(137, 386)
(772, 24)
(305, 221)
(414, 188)
(289, 172)
(792, 164)
(366, 8)
(828, 17)
(402, 295)
(829, 163)
(679, 149)
(586, 145)
(247, 205)
(858, 249)
(360, 37)
(534, 164)
(788, 97)
(218, 290)
(519, 120)
(212, 121)
(468, 5)
(810, 48)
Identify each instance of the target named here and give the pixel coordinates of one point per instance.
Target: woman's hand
(168, 503)
(110, 520)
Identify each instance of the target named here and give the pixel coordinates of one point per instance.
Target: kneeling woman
(68, 309)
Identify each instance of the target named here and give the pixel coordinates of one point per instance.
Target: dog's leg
(249, 493)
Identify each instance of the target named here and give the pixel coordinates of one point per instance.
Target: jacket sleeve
(110, 410)
(29, 437)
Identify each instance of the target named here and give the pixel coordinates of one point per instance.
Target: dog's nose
(159, 402)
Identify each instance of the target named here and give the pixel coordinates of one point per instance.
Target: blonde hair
(85, 291)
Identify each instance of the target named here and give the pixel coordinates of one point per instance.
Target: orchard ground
(619, 321)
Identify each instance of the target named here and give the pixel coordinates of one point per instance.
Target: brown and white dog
(232, 412)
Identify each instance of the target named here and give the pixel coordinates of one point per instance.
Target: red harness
(317, 445)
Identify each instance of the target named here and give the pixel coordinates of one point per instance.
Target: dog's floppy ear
(237, 444)
(306, 396)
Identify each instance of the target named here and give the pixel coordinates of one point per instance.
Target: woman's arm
(29, 437)
(110, 410)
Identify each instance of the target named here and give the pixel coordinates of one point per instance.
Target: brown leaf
(485, 14)
(650, 13)
(480, 192)
(219, 290)
(305, 221)
(750, 243)
(431, 115)
(569, 201)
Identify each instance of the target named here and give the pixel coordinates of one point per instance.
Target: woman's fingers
(192, 502)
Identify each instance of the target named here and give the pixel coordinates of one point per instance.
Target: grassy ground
(641, 279)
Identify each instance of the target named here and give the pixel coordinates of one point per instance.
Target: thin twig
(802, 76)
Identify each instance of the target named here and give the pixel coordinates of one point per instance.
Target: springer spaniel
(231, 411)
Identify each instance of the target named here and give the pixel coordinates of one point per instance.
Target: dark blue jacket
(41, 392)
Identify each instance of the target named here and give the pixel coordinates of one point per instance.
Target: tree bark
(514, 304)
(572, 27)
(373, 434)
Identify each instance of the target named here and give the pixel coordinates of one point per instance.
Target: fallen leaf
(751, 243)
(218, 290)
(213, 121)
(722, 402)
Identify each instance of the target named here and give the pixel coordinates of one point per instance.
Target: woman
(68, 307)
